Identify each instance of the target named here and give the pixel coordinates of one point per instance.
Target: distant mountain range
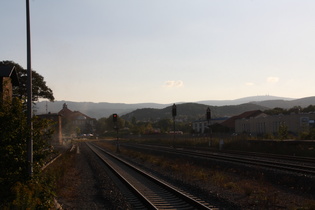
(95, 110)
(244, 100)
(188, 112)
(219, 108)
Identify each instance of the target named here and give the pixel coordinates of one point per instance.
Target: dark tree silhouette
(39, 87)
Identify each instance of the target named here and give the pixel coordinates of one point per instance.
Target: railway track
(144, 190)
(299, 165)
(304, 160)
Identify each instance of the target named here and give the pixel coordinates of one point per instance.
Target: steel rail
(154, 193)
(304, 160)
(266, 161)
(300, 159)
(142, 198)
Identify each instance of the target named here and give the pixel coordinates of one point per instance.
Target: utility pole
(29, 93)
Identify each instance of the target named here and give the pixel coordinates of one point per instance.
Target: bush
(17, 189)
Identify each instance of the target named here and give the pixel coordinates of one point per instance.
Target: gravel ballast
(87, 185)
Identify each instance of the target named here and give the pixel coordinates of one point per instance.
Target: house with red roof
(75, 122)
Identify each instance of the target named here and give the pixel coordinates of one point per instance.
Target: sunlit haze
(165, 51)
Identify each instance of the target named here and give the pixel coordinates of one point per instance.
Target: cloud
(174, 84)
(272, 79)
(249, 84)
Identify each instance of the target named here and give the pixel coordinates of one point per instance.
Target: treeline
(129, 124)
(295, 109)
(188, 112)
(106, 126)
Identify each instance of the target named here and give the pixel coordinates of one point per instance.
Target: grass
(60, 170)
(40, 191)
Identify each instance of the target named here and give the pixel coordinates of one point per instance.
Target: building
(257, 123)
(75, 122)
(230, 123)
(200, 126)
(8, 79)
(266, 124)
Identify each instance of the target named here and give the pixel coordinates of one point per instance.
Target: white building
(266, 124)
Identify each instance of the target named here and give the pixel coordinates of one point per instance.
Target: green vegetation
(295, 109)
(39, 88)
(17, 189)
(105, 127)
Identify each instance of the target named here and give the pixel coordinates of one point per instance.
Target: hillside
(104, 109)
(286, 104)
(95, 110)
(190, 112)
(244, 100)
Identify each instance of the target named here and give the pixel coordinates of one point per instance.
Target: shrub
(17, 189)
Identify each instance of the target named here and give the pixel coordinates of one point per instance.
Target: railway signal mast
(115, 118)
(174, 113)
(208, 115)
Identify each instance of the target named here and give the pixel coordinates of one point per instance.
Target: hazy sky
(165, 51)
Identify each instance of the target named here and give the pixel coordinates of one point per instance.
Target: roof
(67, 113)
(79, 115)
(231, 121)
(213, 119)
(9, 71)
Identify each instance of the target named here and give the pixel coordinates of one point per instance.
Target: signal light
(208, 114)
(174, 110)
(115, 117)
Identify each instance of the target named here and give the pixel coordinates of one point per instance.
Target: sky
(165, 51)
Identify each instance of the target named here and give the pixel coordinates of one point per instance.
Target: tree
(295, 109)
(101, 126)
(39, 87)
(310, 108)
(149, 128)
(14, 132)
(133, 120)
(104, 125)
(283, 131)
(164, 124)
(275, 111)
(13, 164)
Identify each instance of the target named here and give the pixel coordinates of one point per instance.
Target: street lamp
(29, 93)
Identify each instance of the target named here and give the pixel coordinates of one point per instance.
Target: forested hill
(190, 112)
(95, 110)
(220, 108)
(287, 104)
